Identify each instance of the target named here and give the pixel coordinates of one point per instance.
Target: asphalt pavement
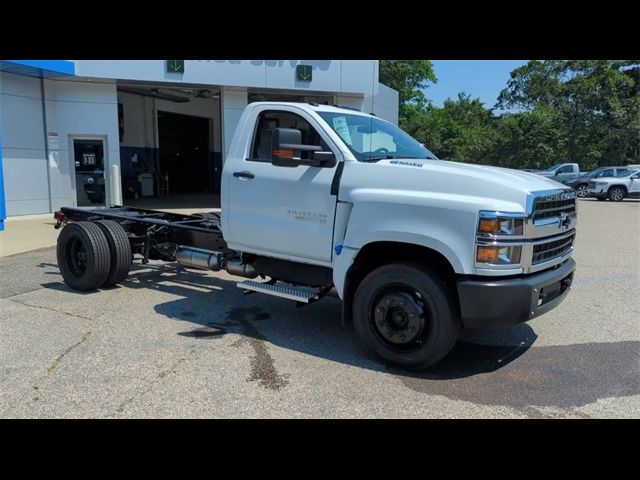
(172, 342)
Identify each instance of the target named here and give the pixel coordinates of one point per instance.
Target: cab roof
(318, 108)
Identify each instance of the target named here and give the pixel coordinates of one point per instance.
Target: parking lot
(193, 345)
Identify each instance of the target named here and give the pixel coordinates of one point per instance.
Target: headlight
(496, 255)
(493, 224)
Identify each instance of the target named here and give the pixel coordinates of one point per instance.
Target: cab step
(298, 293)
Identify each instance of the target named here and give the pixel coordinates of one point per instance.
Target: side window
(606, 173)
(566, 169)
(270, 120)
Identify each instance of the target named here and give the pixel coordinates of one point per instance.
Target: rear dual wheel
(93, 254)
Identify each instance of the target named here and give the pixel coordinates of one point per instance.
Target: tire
(617, 194)
(416, 335)
(120, 251)
(83, 256)
(583, 190)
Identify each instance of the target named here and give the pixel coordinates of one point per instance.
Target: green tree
(408, 78)
(462, 130)
(595, 105)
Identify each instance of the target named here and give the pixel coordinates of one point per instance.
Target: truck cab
(319, 200)
(561, 172)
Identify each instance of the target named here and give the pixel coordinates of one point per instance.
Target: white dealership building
(162, 126)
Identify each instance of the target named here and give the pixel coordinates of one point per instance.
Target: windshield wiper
(391, 157)
(377, 159)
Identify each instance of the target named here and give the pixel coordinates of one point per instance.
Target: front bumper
(490, 303)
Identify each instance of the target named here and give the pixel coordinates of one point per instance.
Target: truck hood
(525, 181)
(415, 180)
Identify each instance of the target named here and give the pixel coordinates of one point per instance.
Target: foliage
(583, 111)
(408, 78)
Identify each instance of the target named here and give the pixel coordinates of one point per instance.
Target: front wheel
(617, 194)
(406, 314)
(583, 190)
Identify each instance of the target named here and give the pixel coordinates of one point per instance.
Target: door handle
(244, 175)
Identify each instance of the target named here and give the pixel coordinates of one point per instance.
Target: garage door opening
(170, 142)
(185, 166)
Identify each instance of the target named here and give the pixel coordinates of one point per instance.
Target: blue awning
(39, 68)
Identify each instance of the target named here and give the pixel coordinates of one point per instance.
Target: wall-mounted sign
(303, 73)
(89, 159)
(53, 140)
(175, 66)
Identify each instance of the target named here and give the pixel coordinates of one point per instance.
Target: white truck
(624, 185)
(561, 172)
(319, 199)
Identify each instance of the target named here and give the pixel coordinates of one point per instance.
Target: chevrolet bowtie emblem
(564, 221)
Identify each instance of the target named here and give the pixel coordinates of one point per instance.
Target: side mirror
(635, 177)
(287, 150)
(556, 173)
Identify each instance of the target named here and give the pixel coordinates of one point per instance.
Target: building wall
(79, 109)
(385, 103)
(339, 76)
(23, 152)
(72, 108)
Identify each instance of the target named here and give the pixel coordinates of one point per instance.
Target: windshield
(553, 167)
(593, 172)
(628, 173)
(370, 138)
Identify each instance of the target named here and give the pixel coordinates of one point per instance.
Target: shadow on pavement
(501, 368)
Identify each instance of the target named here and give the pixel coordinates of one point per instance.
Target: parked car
(561, 172)
(616, 189)
(581, 183)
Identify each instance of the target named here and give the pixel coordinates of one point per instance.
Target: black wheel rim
(399, 318)
(77, 255)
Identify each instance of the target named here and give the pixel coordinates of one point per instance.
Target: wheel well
(377, 254)
(621, 186)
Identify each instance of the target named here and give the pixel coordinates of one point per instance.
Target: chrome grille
(554, 249)
(553, 208)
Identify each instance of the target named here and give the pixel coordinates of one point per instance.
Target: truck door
(284, 212)
(564, 173)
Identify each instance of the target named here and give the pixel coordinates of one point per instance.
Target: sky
(479, 78)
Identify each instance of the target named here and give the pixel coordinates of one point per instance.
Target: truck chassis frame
(153, 233)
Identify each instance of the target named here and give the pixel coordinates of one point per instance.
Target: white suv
(626, 184)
